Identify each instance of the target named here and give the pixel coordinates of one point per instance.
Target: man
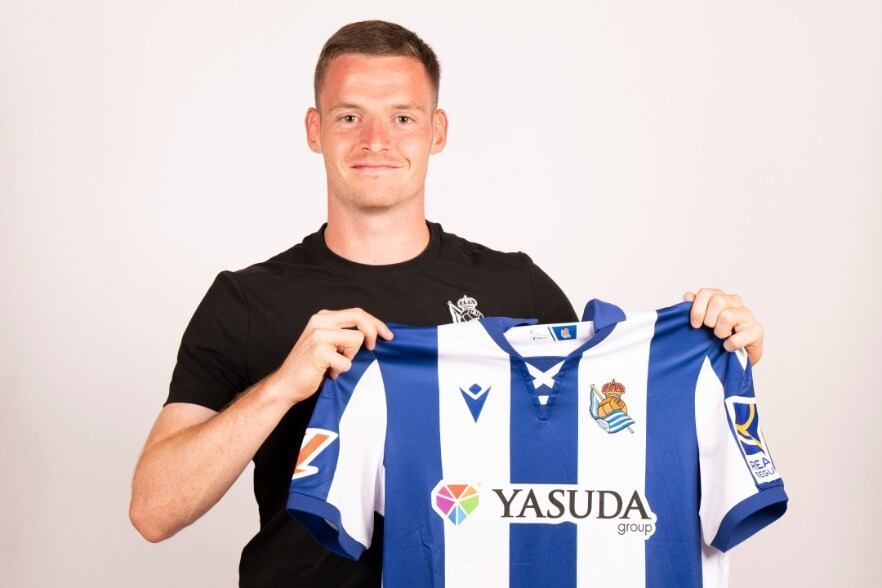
(261, 340)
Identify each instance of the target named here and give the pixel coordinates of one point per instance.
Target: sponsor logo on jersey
(455, 502)
(621, 512)
(465, 309)
(314, 442)
(608, 409)
(744, 416)
(475, 396)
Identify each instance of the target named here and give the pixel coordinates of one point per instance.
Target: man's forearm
(179, 478)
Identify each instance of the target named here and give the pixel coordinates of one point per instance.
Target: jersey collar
(602, 314)
(605, 317)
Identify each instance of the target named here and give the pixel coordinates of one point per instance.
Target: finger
(716, 304)
(731, 320)
(368, 328)
(350, 349)
(333, 344)
(372, 327)
(750, 339)
(335, 339)
(347, 318)
(337, 319)
(354, 317)
(384, 331)
(689, 296)
(699, 305)
(337, 363)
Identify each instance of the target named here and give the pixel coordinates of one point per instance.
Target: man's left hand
(730, 320)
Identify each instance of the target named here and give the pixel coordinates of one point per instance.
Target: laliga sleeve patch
(744, 418)
(314, 442)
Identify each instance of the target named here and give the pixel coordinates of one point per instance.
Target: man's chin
(376, 202)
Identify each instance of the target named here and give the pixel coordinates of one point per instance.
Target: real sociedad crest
(608, 409)
(465, 309)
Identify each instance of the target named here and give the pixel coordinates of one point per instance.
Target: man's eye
(348, 117)
(403, 118)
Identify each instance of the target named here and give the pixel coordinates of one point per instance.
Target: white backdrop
(634, 149)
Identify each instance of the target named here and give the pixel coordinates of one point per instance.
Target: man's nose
(375, 135)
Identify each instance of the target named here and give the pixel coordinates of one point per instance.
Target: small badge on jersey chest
(608, 409)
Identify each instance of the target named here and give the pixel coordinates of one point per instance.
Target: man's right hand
(194, 454)
(328, 344)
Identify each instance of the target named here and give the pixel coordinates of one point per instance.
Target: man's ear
(313, 124)
(439, 130)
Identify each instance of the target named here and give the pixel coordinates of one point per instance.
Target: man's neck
(383, 238)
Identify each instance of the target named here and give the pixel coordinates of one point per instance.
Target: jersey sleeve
(550, 303)
(338, 480)
(741, 489)
(211, 368)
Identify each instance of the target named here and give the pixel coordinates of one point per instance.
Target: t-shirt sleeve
(338, 480)
(741, 489)
(551, 304)
(211, 368)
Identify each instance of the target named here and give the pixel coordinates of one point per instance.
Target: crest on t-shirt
(465, 309)
(608, 409)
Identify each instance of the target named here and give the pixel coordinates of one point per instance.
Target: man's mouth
(370, 166)
(374, 168)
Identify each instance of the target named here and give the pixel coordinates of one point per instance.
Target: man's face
(375, 127)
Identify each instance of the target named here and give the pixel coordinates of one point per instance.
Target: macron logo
(314, 442)
(475, 396)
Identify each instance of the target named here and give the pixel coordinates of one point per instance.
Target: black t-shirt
(250, 319)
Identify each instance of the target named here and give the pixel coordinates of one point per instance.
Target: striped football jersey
(622, 450)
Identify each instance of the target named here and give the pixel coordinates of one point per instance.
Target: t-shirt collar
(363, 270)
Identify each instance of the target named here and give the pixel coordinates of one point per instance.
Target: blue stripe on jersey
(413, 550)
(728, 369)
(542, 555)
(673, 554)
(543, 451)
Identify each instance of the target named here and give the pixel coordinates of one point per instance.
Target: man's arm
(194, 454)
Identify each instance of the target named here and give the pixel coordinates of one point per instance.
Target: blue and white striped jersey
(622, 450)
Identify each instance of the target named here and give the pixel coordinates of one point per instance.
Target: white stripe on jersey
(476, 551)
(614, 461)
(354, 489)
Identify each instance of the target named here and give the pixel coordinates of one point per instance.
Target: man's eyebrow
(407, 107)
(351, 106)
(344, 106)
